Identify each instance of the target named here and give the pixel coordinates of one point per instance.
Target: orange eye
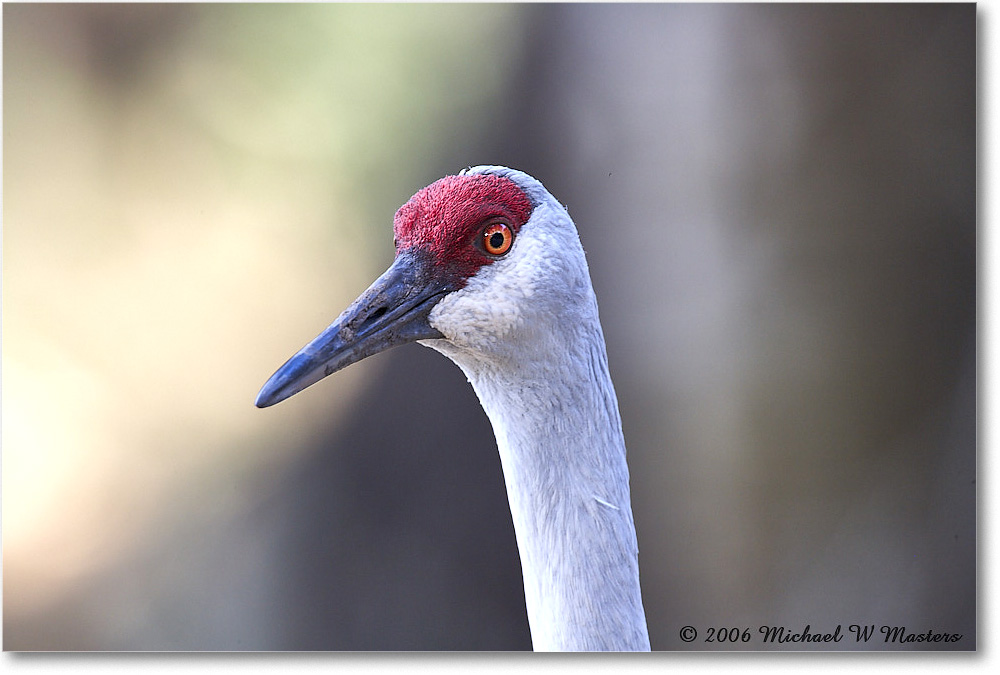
(497, 238)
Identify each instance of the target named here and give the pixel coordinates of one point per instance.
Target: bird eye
(497, 238)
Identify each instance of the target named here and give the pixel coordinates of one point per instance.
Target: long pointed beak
(393, 311)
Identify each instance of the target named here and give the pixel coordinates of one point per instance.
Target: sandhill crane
(490, 271)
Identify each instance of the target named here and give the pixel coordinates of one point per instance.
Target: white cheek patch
(502, 297)
(487, 310)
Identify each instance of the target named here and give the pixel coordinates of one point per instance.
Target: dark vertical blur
(778, 205)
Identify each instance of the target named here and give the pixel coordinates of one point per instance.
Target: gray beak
(393, 311)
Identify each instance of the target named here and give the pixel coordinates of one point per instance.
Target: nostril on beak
(373, 317)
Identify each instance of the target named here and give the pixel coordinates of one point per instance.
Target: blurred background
(779, 209)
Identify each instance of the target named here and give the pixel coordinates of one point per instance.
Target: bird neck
(559, 435)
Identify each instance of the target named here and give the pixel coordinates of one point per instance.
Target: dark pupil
(496, 240)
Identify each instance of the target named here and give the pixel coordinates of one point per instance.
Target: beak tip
(299, 372)
(275, 389)
(264, 399)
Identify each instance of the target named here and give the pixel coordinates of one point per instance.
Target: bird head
(483, 259)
